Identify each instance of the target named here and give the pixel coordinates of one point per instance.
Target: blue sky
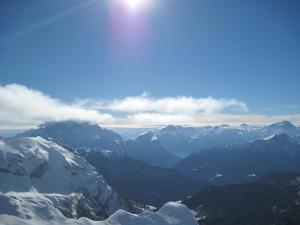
(101, 49)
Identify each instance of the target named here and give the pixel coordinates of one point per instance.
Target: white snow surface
(35, 209)
(38, 165)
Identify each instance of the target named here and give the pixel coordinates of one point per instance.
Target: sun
(133, 4)
(136, 5)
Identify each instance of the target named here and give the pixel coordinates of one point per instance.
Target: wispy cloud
(165, 105)
(22, 107)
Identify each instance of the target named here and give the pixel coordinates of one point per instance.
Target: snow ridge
(38, 165)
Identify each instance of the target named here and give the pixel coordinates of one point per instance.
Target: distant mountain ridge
(177, 140)
(82, 136)
(238, 154)
(242, 163)
(85, 137)
(183, 141)
(148, 148)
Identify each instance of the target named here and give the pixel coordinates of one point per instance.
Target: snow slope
(37, 165)
(34, 209)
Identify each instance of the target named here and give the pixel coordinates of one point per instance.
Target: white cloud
(168, 105)
(200, 119)
(156, 119)
(22, 107)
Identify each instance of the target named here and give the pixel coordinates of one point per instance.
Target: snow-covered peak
(78, 135)
(35, 164)
(146, 137)
(281, 127)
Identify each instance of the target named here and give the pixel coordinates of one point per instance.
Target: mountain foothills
(45, 183)
(246, 175)
(272, 200)
(142, 182)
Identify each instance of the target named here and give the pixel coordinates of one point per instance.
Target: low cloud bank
(22, 107)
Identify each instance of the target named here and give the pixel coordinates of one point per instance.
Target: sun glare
(134, 3)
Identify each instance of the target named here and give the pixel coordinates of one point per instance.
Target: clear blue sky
(248, 50)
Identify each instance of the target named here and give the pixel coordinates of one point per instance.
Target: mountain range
(44, 183)
(237, 154)
(183, 141)
(168, 164)
(242, 163)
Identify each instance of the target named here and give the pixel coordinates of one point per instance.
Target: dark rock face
(141, 182)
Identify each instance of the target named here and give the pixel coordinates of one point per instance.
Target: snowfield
(35, 209)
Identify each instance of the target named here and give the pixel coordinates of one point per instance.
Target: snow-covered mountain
(185, 140)
(41, 182)
(159, 147)
(148, 148)
(85, 137)
(36, 165)
(78, 135)
(279, 128)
